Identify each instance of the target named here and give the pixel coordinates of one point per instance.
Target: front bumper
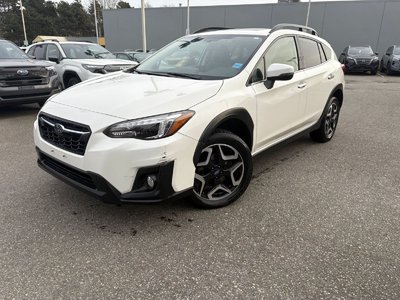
(26, 95)
(114, 165)
(358, 67)
(95, 185)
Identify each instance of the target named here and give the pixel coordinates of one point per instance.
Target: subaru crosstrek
(188, 120)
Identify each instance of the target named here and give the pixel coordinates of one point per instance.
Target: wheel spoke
(209, 151)
(202, 181)
(233, 156)
(232, 171)
(216, 189)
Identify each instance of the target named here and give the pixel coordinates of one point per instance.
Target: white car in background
(190, 118)
(78, 61)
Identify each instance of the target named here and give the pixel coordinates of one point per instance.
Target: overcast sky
(155, 3)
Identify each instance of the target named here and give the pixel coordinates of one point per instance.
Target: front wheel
(223, 170)
(328, 123)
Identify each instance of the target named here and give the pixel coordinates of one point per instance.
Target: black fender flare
(339, 87)
(240, 114)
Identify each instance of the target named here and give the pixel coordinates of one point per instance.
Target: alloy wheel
(219, 172)
(331, 120)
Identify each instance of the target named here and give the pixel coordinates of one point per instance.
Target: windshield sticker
(237, 66)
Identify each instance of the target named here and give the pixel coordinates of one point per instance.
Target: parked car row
(364, 59)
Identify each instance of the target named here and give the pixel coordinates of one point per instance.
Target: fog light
(151, 181)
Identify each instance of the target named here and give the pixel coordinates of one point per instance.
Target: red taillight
(343, 67)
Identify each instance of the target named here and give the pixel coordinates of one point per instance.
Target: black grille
(67, 171)
(363, 61)
(64, 134)
(9, 77)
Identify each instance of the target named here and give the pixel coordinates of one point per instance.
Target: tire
(389, 69)
(374, 72)
(72, 81)
(41, 103)
(329, 122)
(381, 67)
(223, 170)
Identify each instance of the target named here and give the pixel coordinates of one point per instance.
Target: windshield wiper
(166, 74)
(182, 75)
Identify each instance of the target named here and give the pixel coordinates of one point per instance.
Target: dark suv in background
(25, 80)
(390, 62)
(359, 59)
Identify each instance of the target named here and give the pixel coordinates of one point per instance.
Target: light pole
(144, 37)
(23, 22)
(188, 18)
(308, 12)
(95, 21)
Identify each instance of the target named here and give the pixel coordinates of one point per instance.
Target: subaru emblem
(22, 72)
(58, 129)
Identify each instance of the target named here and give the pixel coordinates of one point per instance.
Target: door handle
(331, 76)
(302, 85)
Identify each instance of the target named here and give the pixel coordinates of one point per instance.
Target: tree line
(50, 18)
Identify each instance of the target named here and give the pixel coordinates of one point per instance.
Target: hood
(24, 63)
(104, 62)
(131, 96)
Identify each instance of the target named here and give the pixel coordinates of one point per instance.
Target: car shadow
(7, 112)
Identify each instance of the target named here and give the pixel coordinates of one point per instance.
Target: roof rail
(210, 29)
(294, 27)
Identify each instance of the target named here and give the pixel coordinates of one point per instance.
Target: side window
(122, 56)
(31, 50)
(322, 53)
(40, 52)
(259, 72)
(282, 51)
(328, 52)
(52, 51)
(309, 52)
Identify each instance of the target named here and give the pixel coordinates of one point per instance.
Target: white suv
(189, 119)
(78, 61)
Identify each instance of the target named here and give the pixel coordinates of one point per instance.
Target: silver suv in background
(25, 80)
(78, 61)
(390, 62)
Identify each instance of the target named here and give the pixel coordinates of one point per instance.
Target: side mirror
(278, 72)
(343, 53)
(388, 54)
(54, 59)
(376, 53)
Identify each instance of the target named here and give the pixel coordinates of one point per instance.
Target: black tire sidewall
(332, 100)
(72, 81)
(237, 143)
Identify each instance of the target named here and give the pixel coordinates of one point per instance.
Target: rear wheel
(389, 68)
(223, 170)
(328, 123)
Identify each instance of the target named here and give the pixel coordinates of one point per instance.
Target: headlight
(52, 71)
(150, 128)
(95, 68)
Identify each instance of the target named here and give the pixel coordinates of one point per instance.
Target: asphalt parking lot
(319, 221)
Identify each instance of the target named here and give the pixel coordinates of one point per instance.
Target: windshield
(10, 51)
(360, 51)
(203, 57)
(86, 51)
(396, 51)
